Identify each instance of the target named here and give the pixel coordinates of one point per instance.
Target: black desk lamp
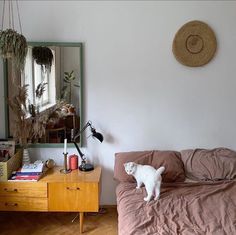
(85, 166)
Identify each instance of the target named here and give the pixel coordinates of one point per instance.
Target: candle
(65, 145)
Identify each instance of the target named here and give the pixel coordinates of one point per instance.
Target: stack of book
(28, 172)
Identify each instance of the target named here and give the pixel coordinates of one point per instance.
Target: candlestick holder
(65, 170)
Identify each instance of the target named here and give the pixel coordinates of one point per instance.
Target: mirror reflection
(52, 75)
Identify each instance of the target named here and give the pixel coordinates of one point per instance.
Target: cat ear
(132, 165)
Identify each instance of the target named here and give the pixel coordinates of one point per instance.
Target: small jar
(73, 162)
(50, 163)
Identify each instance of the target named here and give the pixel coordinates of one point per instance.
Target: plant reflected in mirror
(43, 56)
(70, 81)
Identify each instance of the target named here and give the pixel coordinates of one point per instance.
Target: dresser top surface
(54, 175)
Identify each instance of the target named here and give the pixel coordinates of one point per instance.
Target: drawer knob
(10, 190)
(11, 204)
(68, 188)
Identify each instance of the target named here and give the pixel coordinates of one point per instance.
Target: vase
(26, 156)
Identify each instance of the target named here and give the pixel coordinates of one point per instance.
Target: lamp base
(65, 171)
(86, 167)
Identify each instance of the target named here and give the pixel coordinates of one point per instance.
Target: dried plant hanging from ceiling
(43, 56)
(13, 45)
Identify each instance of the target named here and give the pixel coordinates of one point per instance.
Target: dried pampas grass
(30, 124)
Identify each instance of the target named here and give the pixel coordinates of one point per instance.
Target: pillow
(209, 164)
(171, 160)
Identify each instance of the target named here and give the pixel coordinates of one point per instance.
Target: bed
(198, 194)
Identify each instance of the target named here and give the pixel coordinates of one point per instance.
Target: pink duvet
(183, 208)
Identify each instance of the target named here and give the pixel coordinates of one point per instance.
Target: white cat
(148, 176)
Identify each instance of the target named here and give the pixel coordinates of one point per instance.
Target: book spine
(15, 180)
(27, 177)
(27, 173)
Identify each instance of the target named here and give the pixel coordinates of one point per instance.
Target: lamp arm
(79, 151)
(85, 166)
(77, 135)
(82, 130)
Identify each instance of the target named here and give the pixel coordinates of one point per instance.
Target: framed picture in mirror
(52, 77)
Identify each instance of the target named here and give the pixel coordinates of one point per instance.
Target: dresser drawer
(73, 196)
(23, 189)
(23, 204)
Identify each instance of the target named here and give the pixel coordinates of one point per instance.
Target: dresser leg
(81, 220)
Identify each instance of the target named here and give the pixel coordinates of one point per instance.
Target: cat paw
(138, 187)
(146, 199)
(156, 198)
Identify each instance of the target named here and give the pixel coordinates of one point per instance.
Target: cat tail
(160, 170)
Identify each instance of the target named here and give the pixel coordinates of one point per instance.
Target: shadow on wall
(110, 138)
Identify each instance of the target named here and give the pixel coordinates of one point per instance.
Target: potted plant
(13, 46)
(69, 78)
(43, 56)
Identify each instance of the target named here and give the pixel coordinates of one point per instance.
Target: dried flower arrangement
(31, 127)
(43, 56)
(13, 46)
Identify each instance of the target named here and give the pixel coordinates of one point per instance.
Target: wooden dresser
(74, 192)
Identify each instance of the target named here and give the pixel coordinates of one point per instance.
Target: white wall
(136, 93)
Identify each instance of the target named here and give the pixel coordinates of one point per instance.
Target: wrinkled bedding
(187, 208)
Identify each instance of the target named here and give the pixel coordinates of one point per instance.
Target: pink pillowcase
(171, 160)
(209, 164)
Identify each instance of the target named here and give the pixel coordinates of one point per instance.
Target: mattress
(187, 208)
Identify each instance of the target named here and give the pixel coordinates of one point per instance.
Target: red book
(27, 177)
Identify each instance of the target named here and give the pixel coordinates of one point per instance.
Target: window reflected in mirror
(52, 74)
(38, 76)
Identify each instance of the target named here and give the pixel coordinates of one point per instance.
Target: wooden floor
(38, 223)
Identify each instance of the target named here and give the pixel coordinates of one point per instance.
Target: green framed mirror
(55, 69)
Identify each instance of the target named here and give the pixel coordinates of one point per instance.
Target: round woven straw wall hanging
(194, 44)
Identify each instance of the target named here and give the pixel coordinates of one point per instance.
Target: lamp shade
(98, 136)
